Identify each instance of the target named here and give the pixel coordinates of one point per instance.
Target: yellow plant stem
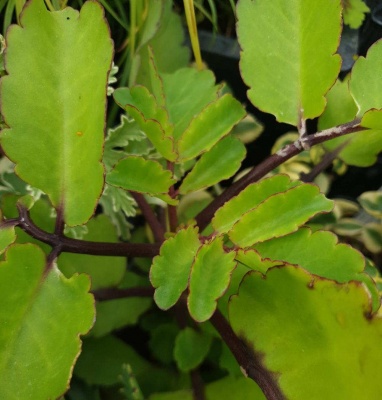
(193, 31)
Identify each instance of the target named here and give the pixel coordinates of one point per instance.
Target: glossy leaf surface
(40, 315)
(209, 278)
(143, 176)
(213, 123)
(191, 347)
(171, 269)
(330, 330)
(248, 199)
(287, 54)
(152, 119)
(220, 163)
(105, 271)
(56, 119)
(279, 215)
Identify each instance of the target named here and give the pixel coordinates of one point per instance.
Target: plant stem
(197, 385)
(249, 361)
(150, 217)
(82, 246)
(270, 163)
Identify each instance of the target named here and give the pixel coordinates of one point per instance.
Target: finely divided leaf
(57, 118)
(279, 215)
(143, 176)
(209, 279)
(171, 269)
(248, 199)
(42, 315)
(287, 56)
(214, 122)
(318, 339)
(220, 163)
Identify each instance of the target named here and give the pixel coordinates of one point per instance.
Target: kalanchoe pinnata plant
(238, 292)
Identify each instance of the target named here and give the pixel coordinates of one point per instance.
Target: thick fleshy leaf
(371, 202)
(188, 92)
(170, 270)
(339, 261)
(365, 85)
(105, 271)
(191, 348)
(209, 279)
(322, 326)
(152, 119)
(252, 260)
(348, 227)
(7, 237)
(220, 163)
(40, 315)
(214, 122)
(287, 54)
(362, 147)
(57, 119)
(143, 176)
(248, 199)
(279, 215)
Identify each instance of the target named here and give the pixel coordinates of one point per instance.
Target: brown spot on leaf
(79, 133)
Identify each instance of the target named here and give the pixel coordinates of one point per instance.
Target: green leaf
(252, 260)
(354, 13)
(7, 237)
(42, 315)
(143, 176)
(105, 271)
(220, 163)
(227, 388)
(69, 55)
(214, 122)
(365, 85)
(362, 147)
(209, 279)
(348, 227)
(248, 199)
(101, 361)
(152, 119)
(170, 270)
(339, 262)
(191, 348)
(306, 330)
(279, 215)
(187, 92)
(167, 44)
(340, 108)
(162, 342)
(287, 56)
